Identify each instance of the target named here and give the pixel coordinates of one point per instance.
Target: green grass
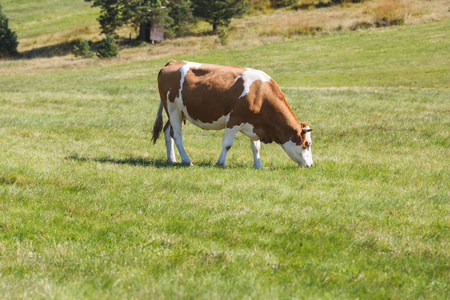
(32, 19)
(89, 208)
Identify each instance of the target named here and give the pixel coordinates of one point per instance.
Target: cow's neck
(282, 126)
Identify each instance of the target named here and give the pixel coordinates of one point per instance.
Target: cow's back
(204, 92)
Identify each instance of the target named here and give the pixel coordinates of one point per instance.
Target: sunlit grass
(89, 207)
(34, 19)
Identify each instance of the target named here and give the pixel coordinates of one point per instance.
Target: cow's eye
(307, 144)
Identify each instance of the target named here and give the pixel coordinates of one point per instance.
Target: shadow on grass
(61, 49)
(66, 48)
(136, 161)
(322, 4)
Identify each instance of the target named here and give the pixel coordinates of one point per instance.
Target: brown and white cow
(233, 98)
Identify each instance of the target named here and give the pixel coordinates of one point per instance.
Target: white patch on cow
(256, 146)
(249, 76)
(175, 117)
(169, 146)
(227, 142)
(228, 116)
(220, 123)
(184, 69)
(247, 129)
(302, 157)
(228, 138)
(308, 135)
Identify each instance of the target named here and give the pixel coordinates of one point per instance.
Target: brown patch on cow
(169, 62)
(267, 110)
(208, 92)
(167, 78)
(200, 72)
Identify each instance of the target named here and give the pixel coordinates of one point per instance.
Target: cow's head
(299, 150)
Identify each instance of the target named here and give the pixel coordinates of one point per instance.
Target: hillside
(47, 27)
(90, 209)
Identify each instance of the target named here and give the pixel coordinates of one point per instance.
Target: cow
(236, 99)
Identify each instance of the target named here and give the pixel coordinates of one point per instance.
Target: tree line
(176, 16)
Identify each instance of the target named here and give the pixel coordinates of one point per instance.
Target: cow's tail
(158, 126)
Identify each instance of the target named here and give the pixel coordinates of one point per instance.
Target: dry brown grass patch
(390, 9)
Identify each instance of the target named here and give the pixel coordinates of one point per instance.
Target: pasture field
(90, 209)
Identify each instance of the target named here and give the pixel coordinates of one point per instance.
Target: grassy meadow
(90, 209)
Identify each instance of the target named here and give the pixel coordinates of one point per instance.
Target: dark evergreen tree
(138, 13)
(82, 48)
(219, 12)
(8, 38)
(181, 12)
(108, 48)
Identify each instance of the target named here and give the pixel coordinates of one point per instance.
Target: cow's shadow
(135, 161)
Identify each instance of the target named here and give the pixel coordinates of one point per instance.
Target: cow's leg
(227, 142)
(169, 144)
(256, 145)
(247, 129)
(175, 118)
